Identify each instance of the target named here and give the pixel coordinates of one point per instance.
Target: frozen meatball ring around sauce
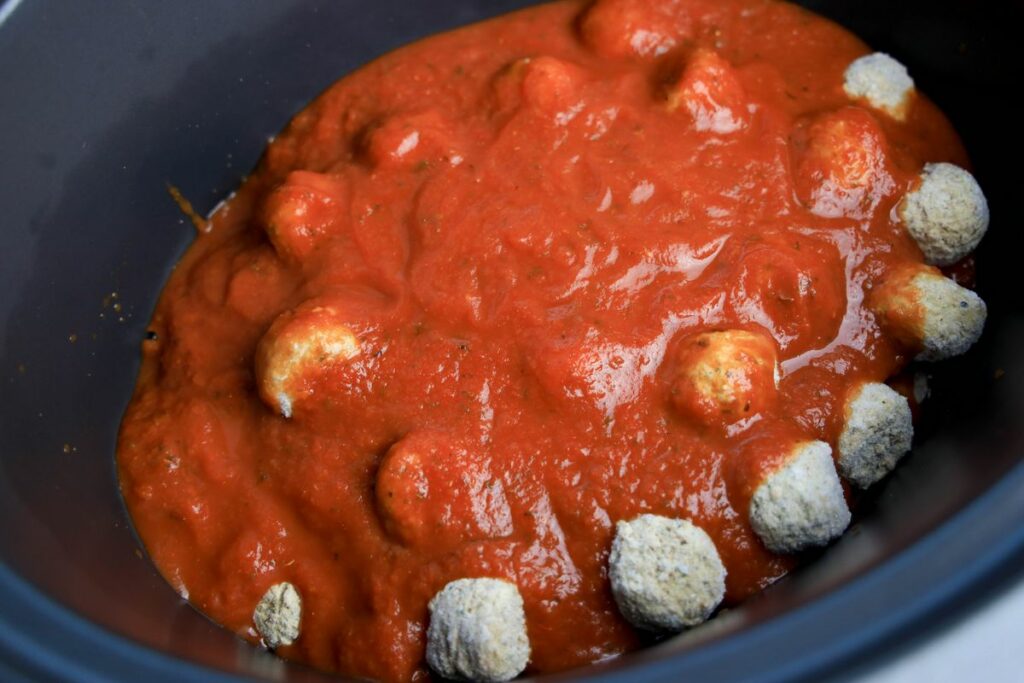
(535, 337)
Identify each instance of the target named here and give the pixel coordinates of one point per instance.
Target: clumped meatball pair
(946, 213)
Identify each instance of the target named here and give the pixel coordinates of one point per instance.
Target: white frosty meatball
(947, 215)
(298, 344)
(801, 504)
(666, 574)
(278, 615)
(882, 81)
(477, 631)
(930, 312)
(877, 433)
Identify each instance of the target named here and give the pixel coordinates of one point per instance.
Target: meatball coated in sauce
(842, 164)
(548, 304)
(405, 141)
(303, 212)
(300, 344)
(421, 503)
(545, 85)
(710, 92)
(725, 376)
(636, 28)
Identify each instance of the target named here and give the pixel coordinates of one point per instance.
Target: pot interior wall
(106, 103)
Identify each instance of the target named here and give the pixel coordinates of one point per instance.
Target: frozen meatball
(947, 214)
(929, 312)
(882, 81)
(299, 344)
(877, 433)
(725, 376)
(800, 505)
(304, 211)
(278, 615)
(477, 631)
(666, 574)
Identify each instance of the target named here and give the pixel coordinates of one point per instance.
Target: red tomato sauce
(522, 222)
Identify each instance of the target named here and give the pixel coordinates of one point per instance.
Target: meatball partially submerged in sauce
(725, 376)
(532, 339)
(666, 574)
(478, 631)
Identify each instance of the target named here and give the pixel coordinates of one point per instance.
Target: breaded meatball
(877, 433)
(800, 504)
(300, 343)
(278, 615)
(947, 214)
(882, 81)
(725, 376)
(477, 631)
(665, 573)
(929, 312)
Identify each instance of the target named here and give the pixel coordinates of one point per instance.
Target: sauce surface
(522, 221)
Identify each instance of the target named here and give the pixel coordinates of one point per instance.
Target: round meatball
(300, 343)
(278, 615)
(710, 92)
(305, 211)
(947, 214)
(546, 85)
(882, 81)
(801, 504)
(421, 504)
(635, 28)
(666, 574)
(929, 312)
(408, 140)
(877, 433)
(477, 631)
(842, 164)
(725, 376)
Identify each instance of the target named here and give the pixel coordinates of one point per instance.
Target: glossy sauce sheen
(521, 247)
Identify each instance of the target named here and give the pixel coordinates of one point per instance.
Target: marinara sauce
(522, 219)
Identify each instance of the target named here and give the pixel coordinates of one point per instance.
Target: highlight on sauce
(534, 337)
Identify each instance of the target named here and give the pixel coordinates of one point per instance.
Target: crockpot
(105, 104)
